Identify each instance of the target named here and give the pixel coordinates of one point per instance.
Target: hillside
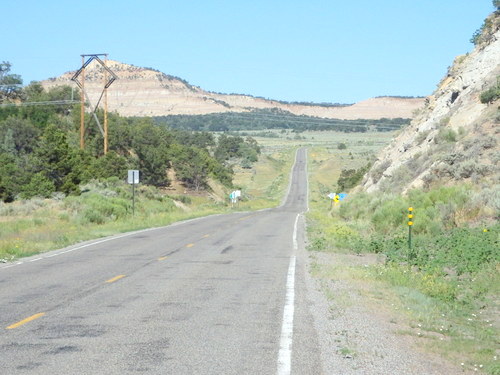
(148, 92)
(418, 245)
(454, 138)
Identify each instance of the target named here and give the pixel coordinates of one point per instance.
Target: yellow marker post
(410, 225)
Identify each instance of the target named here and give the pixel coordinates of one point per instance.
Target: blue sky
(308, 50)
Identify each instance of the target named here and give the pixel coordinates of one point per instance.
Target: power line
(52, 102)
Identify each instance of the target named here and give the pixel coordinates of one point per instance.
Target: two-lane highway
(218, 295)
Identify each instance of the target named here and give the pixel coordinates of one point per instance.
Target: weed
(446, 135)
(422, 136)
(347, 353)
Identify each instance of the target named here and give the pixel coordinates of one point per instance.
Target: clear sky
(297, 50)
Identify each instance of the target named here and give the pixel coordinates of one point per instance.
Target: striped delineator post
(410, 225)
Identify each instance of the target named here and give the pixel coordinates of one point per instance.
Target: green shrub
(470, 168)
(446, 135)
(98, 208)
(490, 95)
(439, 239)
(349, 178)
(482, 34)
(389, 215)
(466, 250)
(39, 186)
(318, 244)
(92, 216)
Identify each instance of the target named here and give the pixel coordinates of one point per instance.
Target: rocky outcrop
(148, 92)
(454, 137)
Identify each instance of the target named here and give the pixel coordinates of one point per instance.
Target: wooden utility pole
(105, 104)
(107, 82)
(82, 109)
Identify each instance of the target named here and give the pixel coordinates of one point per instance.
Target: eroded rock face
(452, 132)
(147, 92)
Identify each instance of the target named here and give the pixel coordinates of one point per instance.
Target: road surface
(218, 295)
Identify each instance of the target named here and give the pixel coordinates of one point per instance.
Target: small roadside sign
(133, 176)
(234, 196)
(133, 179)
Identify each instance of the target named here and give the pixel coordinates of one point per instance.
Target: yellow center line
(190, 245)
(24, 321)
(246, 217)
(115, 278)
(162, 258)
(206, 236)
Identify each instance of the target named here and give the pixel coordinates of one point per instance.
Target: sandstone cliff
(147, 92)
(454, 138)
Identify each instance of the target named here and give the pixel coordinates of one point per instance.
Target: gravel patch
(357, 338)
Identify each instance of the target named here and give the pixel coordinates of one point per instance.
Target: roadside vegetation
(53, 194)
(444, 290)
(105, 207)
(40, 150)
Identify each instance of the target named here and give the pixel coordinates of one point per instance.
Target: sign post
(334, 197)
(133, 178)
(410, 225)
(234, 197)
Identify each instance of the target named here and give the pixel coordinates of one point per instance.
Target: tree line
(260, 119)
(40, 151)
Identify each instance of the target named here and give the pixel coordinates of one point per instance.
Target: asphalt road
(219, 295)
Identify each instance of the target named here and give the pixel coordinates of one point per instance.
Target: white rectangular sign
(133, 176)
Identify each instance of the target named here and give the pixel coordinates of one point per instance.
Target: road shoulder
(358, 333)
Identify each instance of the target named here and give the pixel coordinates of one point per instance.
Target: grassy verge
(36, 225)
(445, 290)
(105, 208)
(265, 184)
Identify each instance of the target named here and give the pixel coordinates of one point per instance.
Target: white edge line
(286, 340)
(115, 237)
(307, 181)
(295, 244)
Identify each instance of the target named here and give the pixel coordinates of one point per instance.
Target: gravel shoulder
(358, 333)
